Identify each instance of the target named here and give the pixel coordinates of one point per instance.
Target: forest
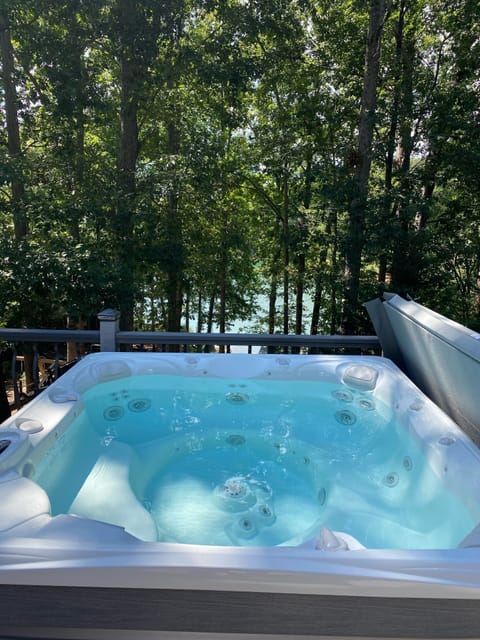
(177, 159)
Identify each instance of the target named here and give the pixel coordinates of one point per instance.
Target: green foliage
(244, 117)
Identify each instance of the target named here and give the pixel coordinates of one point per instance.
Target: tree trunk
(320, 280)
(20, 225)
(391, 138)
(13, 129)
(272, 306)
(222, 309)
(72, 347)
(333, 227)
(211, 309)
(394, 111)
(431, 167)
(405, 257)
(317, 304)
(300, 287)
(127, 161)
(174, 265)
(302, 239)
(275, 269)
(187, 310)
(286, 249)
(272, 303)
(74, 145)
(200, 313)
(362, 158)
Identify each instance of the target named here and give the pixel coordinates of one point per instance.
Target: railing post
(109, 325)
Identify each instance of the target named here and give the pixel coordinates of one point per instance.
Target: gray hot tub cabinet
(439, 355)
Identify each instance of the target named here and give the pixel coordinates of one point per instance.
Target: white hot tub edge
(85, 547)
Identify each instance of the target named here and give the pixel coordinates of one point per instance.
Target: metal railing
(44, 349)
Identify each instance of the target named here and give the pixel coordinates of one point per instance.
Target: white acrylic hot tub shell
(36, 549)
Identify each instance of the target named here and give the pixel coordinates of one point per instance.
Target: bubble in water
(176, 425)
(110, 435)
(283, 428)
(262, 489)
(281, 448)
(408, 463)
(195, 443)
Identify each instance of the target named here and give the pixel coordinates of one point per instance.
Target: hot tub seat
(107, 495)
(22, 500)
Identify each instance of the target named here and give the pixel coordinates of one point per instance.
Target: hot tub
(246, 491)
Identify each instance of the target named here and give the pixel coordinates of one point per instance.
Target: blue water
(220, 461)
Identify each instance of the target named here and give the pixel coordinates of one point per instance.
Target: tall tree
(361, 160)
(127, 36)
(13, 129)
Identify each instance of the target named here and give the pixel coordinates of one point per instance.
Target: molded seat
(106, 494)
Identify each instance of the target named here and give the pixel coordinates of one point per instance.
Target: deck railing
(45, 349)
